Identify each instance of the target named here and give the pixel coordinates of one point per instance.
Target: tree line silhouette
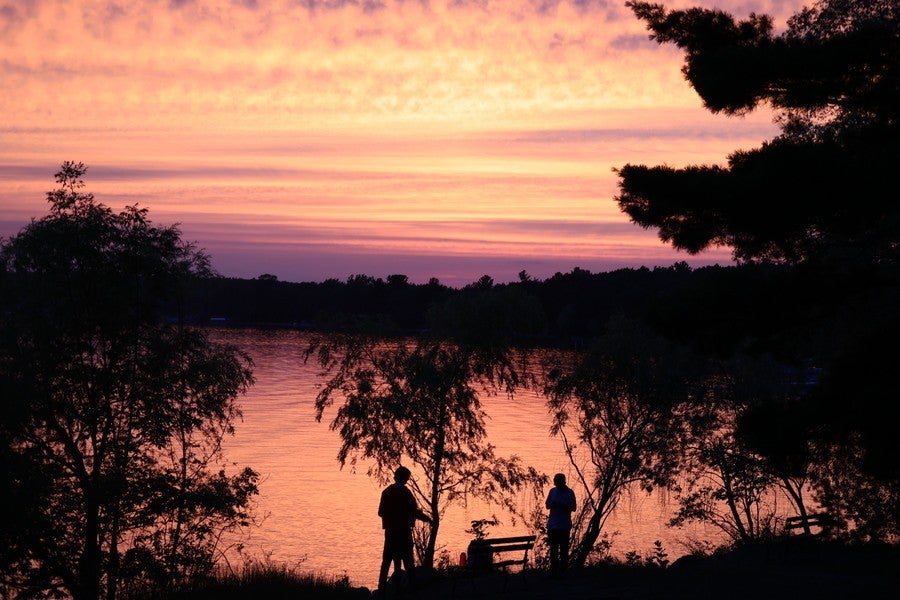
(567, 309)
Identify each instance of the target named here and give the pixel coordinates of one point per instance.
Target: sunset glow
(323, 138)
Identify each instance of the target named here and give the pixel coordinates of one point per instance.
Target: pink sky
(324, 138)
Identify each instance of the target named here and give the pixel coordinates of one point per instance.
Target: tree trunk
(732, 506)
(591, 534)
(434, 502)
(112, 576)
(428, 559)
(584, 547)
(797, 496)
(89, 562)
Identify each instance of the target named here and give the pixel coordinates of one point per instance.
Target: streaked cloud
(377, 130)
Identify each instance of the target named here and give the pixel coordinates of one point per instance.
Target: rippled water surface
(324, 518)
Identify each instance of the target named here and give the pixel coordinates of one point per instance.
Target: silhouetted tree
(398, 280)
(112, 417)
(820, 197)
(623, 410)
(418, 400)
(835, 76)
(774, 426)
(751, 446)
(727, 485)
(856, 471)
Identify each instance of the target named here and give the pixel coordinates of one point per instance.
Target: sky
(315, 139)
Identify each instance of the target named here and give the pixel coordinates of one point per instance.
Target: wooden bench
(485, 549)
(481, 555)
(805, 523)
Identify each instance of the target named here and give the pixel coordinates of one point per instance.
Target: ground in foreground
(787, 569)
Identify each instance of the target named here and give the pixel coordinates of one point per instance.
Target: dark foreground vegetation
(783, 569)
(724, 386)
(265, 582)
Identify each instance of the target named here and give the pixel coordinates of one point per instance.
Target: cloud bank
(316, 133)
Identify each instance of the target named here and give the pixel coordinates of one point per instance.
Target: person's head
(401, 475)
(559, 480)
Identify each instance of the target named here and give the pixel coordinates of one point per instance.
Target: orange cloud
(467, 128)
(287, 64)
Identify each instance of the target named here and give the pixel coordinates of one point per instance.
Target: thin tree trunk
(89, 562)
(112, 575)
(797, 496)
(732, 506)
(592, 532)
(434, 500)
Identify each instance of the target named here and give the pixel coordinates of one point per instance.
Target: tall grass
(264, 582)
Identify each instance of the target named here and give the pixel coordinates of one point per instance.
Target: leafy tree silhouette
(112, 415)
(834, 75)
(821, 198)
(416, 400)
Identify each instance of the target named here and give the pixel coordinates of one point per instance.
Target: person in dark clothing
(561, 502)
(398, 511)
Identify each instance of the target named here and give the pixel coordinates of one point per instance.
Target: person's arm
(572, 504)
(420, 515)
(413, 508)
(550, 499)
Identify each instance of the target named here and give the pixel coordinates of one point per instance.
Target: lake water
(324, 519)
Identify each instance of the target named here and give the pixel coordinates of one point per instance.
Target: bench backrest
(821, 520)
(507, 544)
(481, 551)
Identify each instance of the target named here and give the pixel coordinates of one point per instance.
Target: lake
(324, 519)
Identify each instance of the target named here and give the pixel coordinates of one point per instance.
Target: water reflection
(326, 518)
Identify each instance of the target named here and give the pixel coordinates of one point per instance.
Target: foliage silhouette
(821, 198)
(623, 410)
(112, 417)
(834, 76)
(416, 400)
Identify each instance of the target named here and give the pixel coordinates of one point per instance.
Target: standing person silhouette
(561, 502)
(398, 511)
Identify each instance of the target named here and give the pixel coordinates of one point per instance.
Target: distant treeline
(718, 308)
(574, 304)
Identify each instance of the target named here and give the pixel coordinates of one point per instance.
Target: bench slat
(810, 522)
(493, 541)
(822, 521)
(489, 547)
(811, 519)
(508, 563)
(508, 548)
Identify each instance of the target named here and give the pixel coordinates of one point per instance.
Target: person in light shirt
(561, 503)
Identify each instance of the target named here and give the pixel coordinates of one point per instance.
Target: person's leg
(393, 553)
(386, 556)
(408, 561)
(553, 542)
(564, 549)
